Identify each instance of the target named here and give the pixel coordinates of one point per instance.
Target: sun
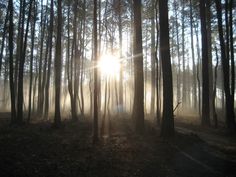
(109, 65)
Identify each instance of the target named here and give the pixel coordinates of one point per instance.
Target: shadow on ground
(41, 151)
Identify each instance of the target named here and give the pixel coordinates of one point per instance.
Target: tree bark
(158, 114)
(138, 105)
(167, 127)
(153, 57)
(209, 43)
(58, 58)
(231, 40)
(20, 92)
(178, 51)
(214, 90)
(121, 57)
(11, 71)
(3, 38)
(46, 110)
(193, 58)
(40, 91)
(31, 64)
(205, 67)
(95, 101)
(230, 117)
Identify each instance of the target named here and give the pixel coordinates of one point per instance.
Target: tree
(138, 105)
(11, 47)
(230, 117)
(214, 90)
(184, 90)
(58, 58)
(42, 36)
(209, 52)
(193, 57)
(231, 40)
(178, 49)
(205, 66)
(153, 57)
(49, 60)
(31, 62)
(95, 100)
(157, 70)
(20, 92)
(3, 39)
(167, 127)
(120, 46)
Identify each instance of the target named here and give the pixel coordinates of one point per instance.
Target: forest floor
(38, 150)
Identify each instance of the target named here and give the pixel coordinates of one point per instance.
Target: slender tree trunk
(178, 50)
(72, 81)
(105, 110)
(82, 60)
(167, 127)
(158, 115)
(44, 77)
(184, 91)
(70, 63)
(31, 64)
(214, 91)
(40, 91)
(58, 62)
(193, 58)
(138, 105)
(232, 51)
(205, 67)
(95, 101)
(91, 94)
(209, 43)
(153, 57)
(3, 39)
(226, 6)
(230, 117)
(20, 99)
(121, 57)
(19, 46)
(81, 87)
(46, 110)
(11, 71)
(108, 108)
(198, 70)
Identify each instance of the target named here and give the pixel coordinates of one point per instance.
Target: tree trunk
(40, 91)
(205, 67)
(232, 51)
(121, 57)
(138, 105)
(184, 91)
(158, 115)
(58, 58)
(214, 91)
(230, 117)
(167, 128)
(20, 92)
(3, 39)
(95, 101)
(209, 43)
(198, 70)
(31, 64)
(193, 58)
(178, 50)
(153, 57)
(46, 110)
(11, 71)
